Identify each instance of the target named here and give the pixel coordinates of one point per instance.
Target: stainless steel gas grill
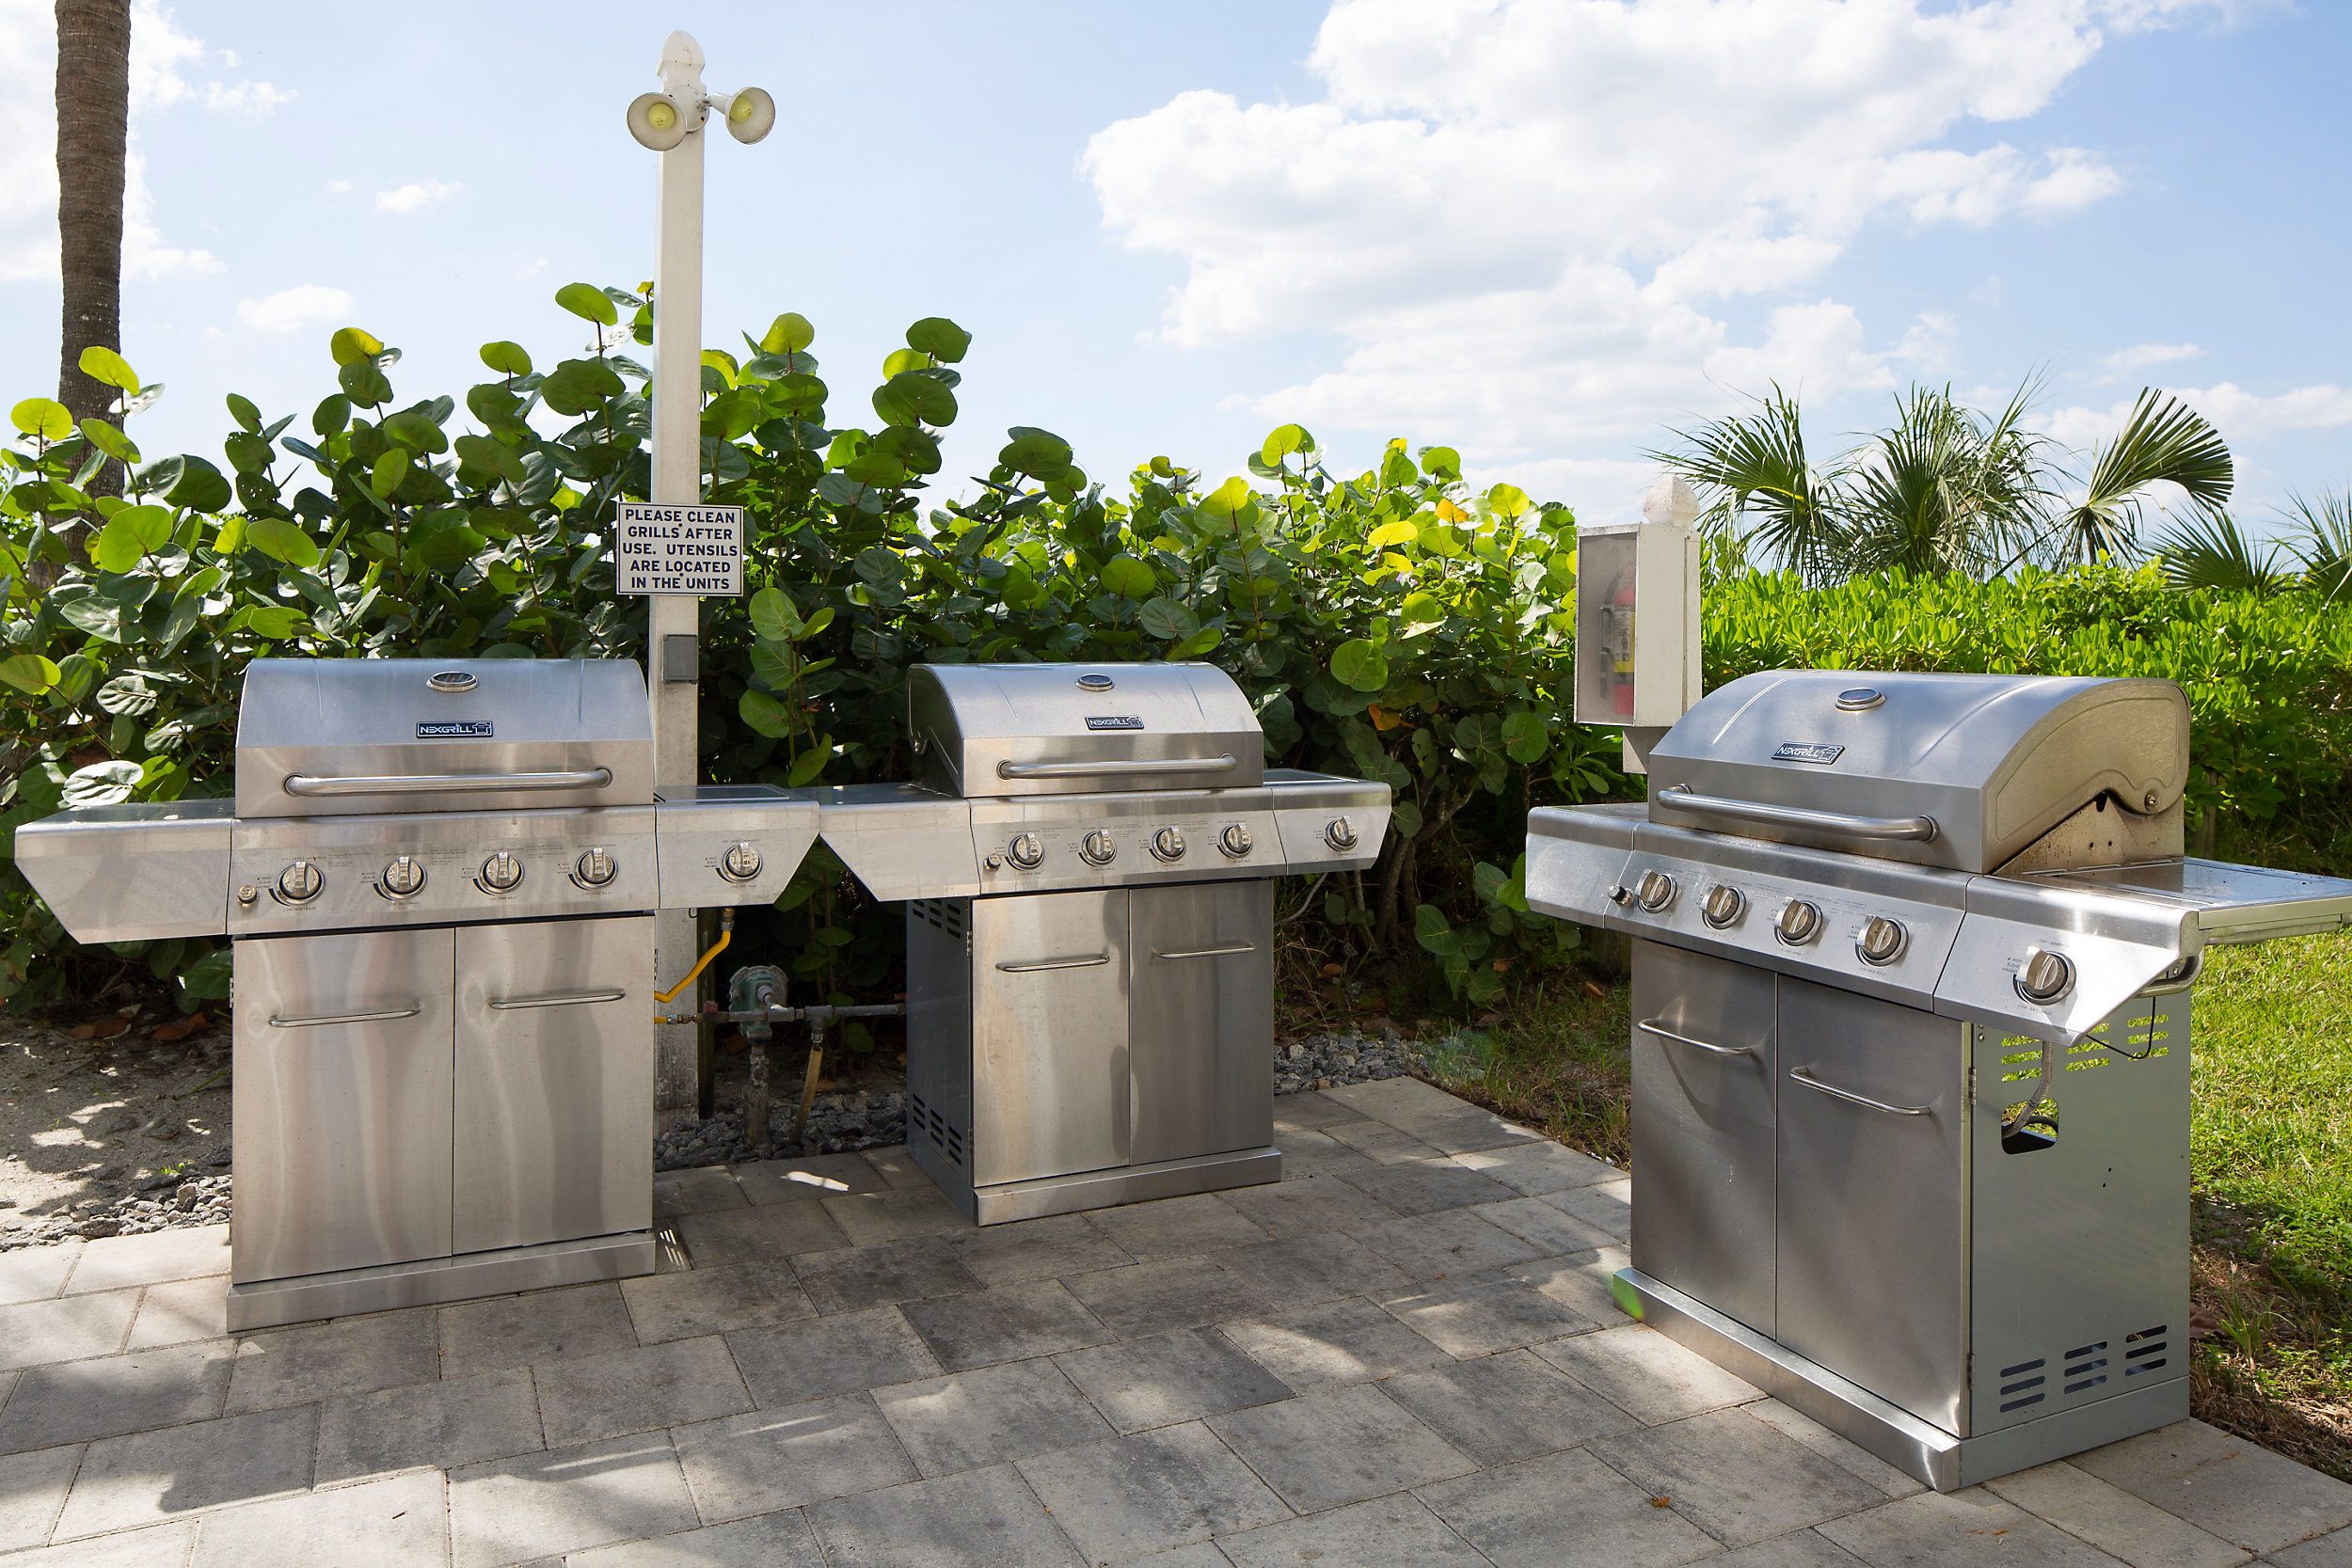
(440, 881)
(1912, 958)
(1088, 860)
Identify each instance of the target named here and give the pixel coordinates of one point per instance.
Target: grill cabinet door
(1704, 1202)
(1201, 1002)
(341, 1101)
(554, 1081)
(1049, 1035)
(1874, 1282)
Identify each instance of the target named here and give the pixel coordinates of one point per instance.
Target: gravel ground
(130, 1133)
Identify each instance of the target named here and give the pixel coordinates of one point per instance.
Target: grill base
(266, 1304)
(1928, 1453)
(1099, 1189)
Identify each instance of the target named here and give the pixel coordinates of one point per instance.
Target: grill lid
(994, 729)
(341, 737)
(1962, 771)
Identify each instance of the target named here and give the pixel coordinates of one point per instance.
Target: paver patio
(1403, 1355)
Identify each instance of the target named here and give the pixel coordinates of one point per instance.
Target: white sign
(680, 550)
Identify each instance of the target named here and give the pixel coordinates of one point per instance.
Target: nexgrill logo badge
(1807, 751)
(1114, 721)
(454, 729)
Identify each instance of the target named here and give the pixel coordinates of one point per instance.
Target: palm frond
(1761, 492)
(1945, 489)
(2319, 537)
(2163, 441)
(2210, 549)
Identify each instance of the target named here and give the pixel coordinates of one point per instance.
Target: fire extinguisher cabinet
(1637, 619)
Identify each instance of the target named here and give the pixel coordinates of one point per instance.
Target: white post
(672, 641)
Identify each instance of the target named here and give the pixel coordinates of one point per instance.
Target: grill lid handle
(1221, 763)
(427, 783)
(1875, 829)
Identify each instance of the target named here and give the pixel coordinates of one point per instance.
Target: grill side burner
(1088, 867)
(1911, 1071)
(439, 877)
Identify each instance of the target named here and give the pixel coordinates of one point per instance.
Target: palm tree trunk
(93, 126)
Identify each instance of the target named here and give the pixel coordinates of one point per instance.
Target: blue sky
(1541, 232)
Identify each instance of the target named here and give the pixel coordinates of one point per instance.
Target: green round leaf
(1283, 441)
(763, 713)
(1168, 620)
(774, 617)
(364, 384)
(105, 367)
(1507, 501)
(130, 536)
(28, 672)
(240, 409)
(1227, 499)
(109, 439)
(1037, 454)
(1128, 577)
(43, 416)
(905, 359)
(787, 334)
(200, 487)
(1525, 739)
(1359, 666)
(276, 621)
(283, 541)
(390, 467)
(102, 784)
(1422, 609)
(588, 303)
(352, 345)
(415, 431)
(506, 359)
(911, 397)
(940, 338)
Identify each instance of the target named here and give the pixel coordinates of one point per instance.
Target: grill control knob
(594, 867)
(2044, 976)
(1655, 892)
(503, 871)
(1722, 904)
(402, 877)
(1026, 851)
(742, 862)
(1097, 848)
(1883, 940)
(1169, 844)
(1235, 841)
(1339, 834)
(1799, 923)
(299, 882)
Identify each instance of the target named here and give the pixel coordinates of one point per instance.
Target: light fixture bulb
(751, 113)
(656, 121)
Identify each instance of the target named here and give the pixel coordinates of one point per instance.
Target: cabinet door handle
(381, 1015)
(557, 999)
(1804, 1076)
(1033, 966)
(1207, 952)
(1651, 1026)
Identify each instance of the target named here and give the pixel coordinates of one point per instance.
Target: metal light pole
(670, 122)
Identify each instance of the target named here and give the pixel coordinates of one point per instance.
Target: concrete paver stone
(1004, 1324)
(966, 1421)
(771, 1541)
(1522, 1516)
(459, 1421)
(1425, 1187)
(149, 1477)
(1535, 1168)
(1502, 1408)
(812, 1175)
(1300, 1271)
(114, 1262)
(757, 1235)
(32, 1488)
(637, 1389)
(1734, 1477)
(1848, 1456)
(892, 1214)
(1544, 1226)
(2113, 1520)
(180, 1310)
(743, 1466)
(2332, 1550)
(679, 1193)
(841, 1354)
(1339, 1446)
(157, 1546)
(907, 1269)
(1153, 1298)
(1179, 1226)
(1348, 1341)
(1605, 1207)
(37, 1273)
(529, 1330)
(1146, 1492)
(1382, 1533)
(1954, 1530)
(1169, 1378)
(980, 1520)
(1481, 1317)
(1446, 1244)
(1647, 1373)
(684, 1306)
(1026, 1250)
(394, 1523)
(69, 1328)
(347, 1356)
(2224, 1485)
(135, 1392)
(542, 1505)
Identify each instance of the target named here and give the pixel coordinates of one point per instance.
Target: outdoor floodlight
(658, 121)
(751, 113)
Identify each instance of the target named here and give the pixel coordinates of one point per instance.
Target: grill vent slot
(924, 1121)
(944, 914)
(2084, 1366)
(2014, 1380)
(2145, 1349)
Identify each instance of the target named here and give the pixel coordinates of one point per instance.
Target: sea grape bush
(1396, 622)
(1391, 621)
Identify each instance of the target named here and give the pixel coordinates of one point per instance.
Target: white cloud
(291, 310)
(338, 187)
(415, 197)
(2128, 362)
(2240, 415)
(1516, 214)
(168, 68)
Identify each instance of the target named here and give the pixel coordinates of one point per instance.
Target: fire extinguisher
(1619, 615)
